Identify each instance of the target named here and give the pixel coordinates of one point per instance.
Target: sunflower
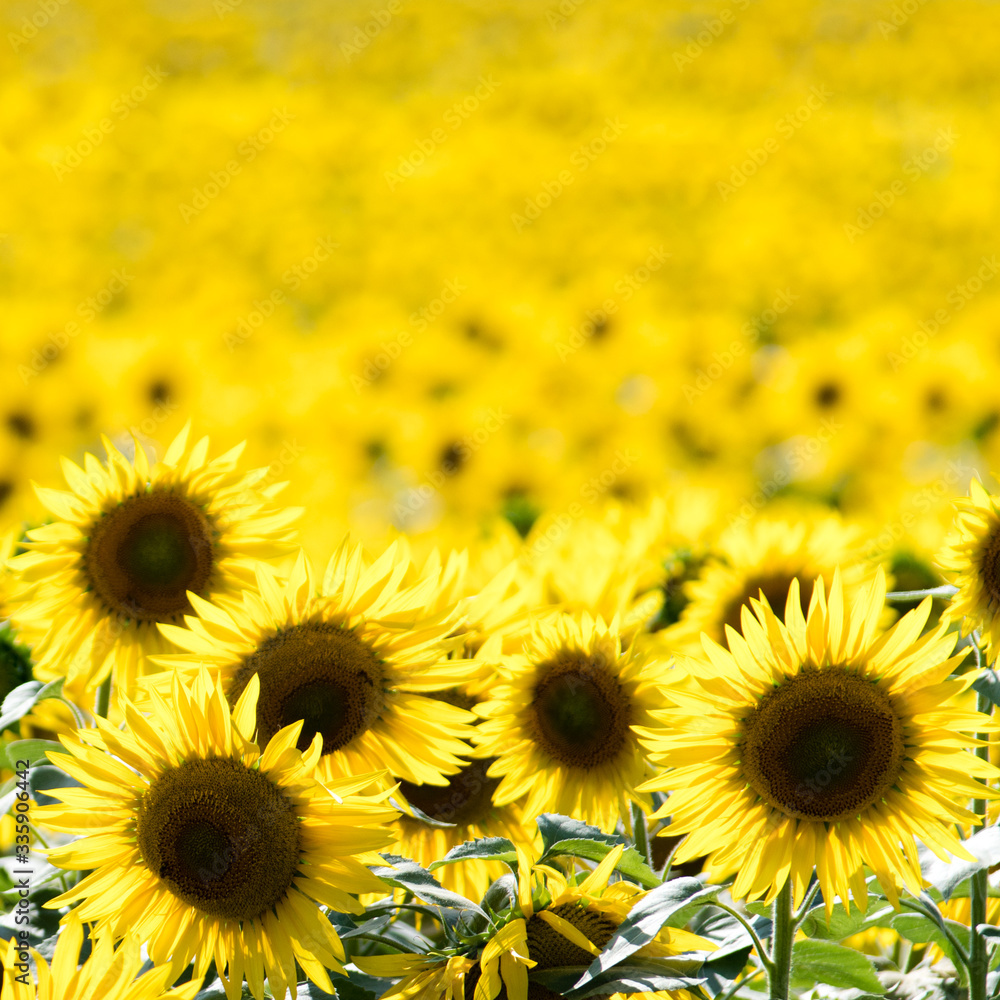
(766, 555)
(556, 922)
(559, 721)
(972, 559)
(354, 662)
(466, 803)
(209, 847)
(131, 541)
(819, 742)
(108, 974)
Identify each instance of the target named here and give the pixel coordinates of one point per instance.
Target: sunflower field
(496, 500)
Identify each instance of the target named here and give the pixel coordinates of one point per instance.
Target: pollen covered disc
(320, 673)
(550, 949)
(990, 567)
(579, 713)
(146, 553)
(222, 837)
(823, 745)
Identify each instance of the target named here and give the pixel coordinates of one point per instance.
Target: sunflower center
(550, 949)
(823, 745)
(221, 837)
(579, 713)
(466, 799)
(991, 568)
(775, 587)
(147, 553)
(320, 673)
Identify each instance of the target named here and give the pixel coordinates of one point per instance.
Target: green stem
(782, 936)
(800, 914)
(913, 595)
(103, 698)
(978, 953)
(640, 833)
(765, 959)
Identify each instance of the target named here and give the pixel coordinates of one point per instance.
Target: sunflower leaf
(631, 862)
(33, 751)
(638, 975)
(843, 924)
(669, 904)
(405, 873)
(18, 702)
(483, 849)
(988, 683)
(947, 876)
(922, 930)
(835, 965)
(555, 828)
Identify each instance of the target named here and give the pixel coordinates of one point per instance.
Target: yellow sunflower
(466, 803)
(559, 722)
(556, 922)
(818, 742)
(108, 974)
(766, 554)
(210, 848)
(972, 559)
(355, 662)
(131, 540)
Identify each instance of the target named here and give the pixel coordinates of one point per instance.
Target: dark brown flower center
(221, 837)
(466, 799)
(579, 714)
(823, 745)
(775, 588)
(990, 568)
(146, 553)
(320, 673)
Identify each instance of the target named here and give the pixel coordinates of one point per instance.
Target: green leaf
(669, 904)
(843, 924)
(638, 975)
(33, 751)
(947, 876)
(407, 874)
(484, 849)
(631, 862)
(988, 683)
(922, 930)
(18, 702)
(835, 965)
(554, 827)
